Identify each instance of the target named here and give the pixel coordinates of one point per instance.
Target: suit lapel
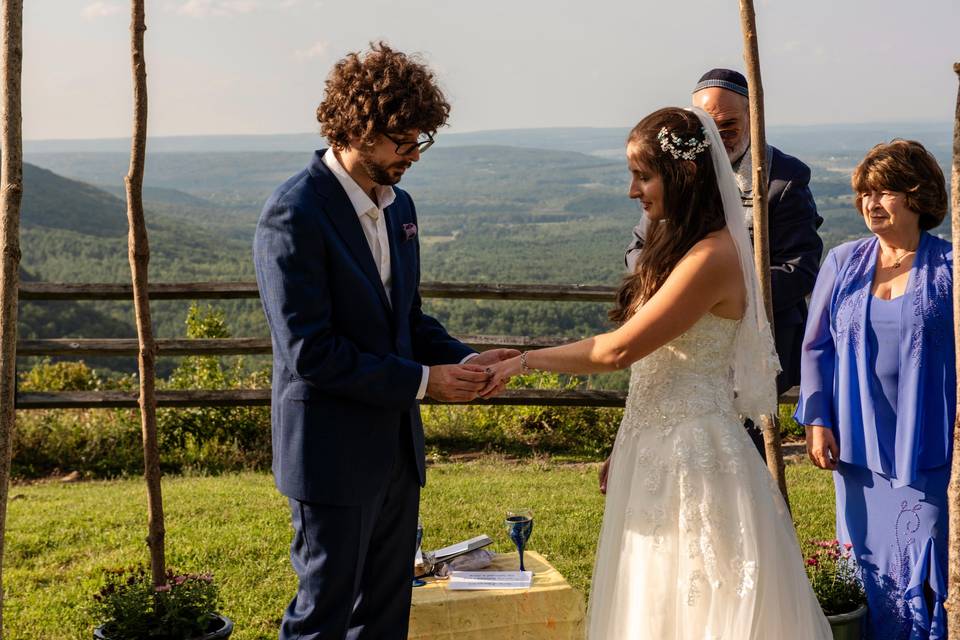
(344, 217)
(397, 275)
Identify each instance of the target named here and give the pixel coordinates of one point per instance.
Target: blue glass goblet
(519, 527)
(416, 581)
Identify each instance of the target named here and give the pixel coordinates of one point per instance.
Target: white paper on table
(442, 555)
(471, 580)
(418, 558)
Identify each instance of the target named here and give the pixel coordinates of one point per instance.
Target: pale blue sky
(257, 66)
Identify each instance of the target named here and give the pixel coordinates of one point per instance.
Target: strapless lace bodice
(696, 541)
(688, 377)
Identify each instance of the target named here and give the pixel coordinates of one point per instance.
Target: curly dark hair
(377, 92)
(906, 166)
(692, 205)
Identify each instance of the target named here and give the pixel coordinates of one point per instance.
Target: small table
(551, 608)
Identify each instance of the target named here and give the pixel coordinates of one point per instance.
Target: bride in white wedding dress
(696, 541)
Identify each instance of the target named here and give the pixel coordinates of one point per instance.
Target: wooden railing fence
(128, 347)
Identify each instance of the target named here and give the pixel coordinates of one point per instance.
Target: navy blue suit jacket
(795, 252)
(346, 362)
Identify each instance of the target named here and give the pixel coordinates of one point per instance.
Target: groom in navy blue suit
(337, 262)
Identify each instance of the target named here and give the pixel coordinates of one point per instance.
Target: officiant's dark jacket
(346, 360)
(795, 252)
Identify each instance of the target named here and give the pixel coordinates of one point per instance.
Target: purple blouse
(883, 342)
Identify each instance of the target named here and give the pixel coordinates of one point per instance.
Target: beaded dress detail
(696, 542)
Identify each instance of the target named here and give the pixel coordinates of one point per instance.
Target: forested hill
(53, 202)
(75, 232)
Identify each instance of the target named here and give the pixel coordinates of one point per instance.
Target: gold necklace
(896, 264)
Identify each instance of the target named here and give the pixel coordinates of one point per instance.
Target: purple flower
(409, 231)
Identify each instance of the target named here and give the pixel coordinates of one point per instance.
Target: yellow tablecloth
(551, 608)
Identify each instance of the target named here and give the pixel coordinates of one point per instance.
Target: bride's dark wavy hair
(692, 206)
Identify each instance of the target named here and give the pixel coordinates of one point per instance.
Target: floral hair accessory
(680, 148)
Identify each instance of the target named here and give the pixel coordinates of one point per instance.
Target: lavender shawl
(835, 366)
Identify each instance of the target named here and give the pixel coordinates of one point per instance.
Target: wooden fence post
(139, 255)
(761, 242)
(11, 191)
(953, 491)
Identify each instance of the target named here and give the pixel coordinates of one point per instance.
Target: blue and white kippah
(725, 79)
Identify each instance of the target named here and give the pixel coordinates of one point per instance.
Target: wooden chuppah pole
(11, 191)
(952, 604)
(138, 251)
(761, 242)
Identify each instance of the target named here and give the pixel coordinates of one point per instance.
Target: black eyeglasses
(405, 147)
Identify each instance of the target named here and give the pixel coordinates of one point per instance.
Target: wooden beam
(952, 603)
(138, 250)
(761, 241)
(11, 192)
(157, 291)
(553, 293)
(261, 397)
(248, 290)
(119, 347)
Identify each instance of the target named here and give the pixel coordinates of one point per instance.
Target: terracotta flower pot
(848, 626)
(220, 628)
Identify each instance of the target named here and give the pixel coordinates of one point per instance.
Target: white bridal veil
(755, 364)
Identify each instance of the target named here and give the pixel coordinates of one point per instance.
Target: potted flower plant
(130, 607)
(835, 579)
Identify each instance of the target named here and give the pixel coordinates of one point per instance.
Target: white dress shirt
(374, 226)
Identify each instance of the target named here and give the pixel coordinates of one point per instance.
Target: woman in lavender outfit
(878, 389)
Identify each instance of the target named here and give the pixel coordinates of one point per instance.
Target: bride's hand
(499, 374)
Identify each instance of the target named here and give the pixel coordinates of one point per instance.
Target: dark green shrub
(60, 376)
(130, 607)
(789, 428)
(107, 442)
(96, 442)
(214, 439)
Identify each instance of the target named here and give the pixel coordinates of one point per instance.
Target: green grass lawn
(61, 536)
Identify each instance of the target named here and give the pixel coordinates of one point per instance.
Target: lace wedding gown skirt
(696, 541)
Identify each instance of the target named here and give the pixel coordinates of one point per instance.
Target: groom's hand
(456, 382)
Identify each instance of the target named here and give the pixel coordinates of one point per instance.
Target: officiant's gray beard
(736, 155)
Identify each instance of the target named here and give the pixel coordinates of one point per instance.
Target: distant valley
(544, 205)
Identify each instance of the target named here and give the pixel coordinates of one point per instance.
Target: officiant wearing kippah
(795, 246)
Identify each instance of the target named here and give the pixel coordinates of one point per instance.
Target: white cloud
(101, 9)
(204, 8)
(317, 50)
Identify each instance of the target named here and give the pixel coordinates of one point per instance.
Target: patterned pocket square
(409, 231)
